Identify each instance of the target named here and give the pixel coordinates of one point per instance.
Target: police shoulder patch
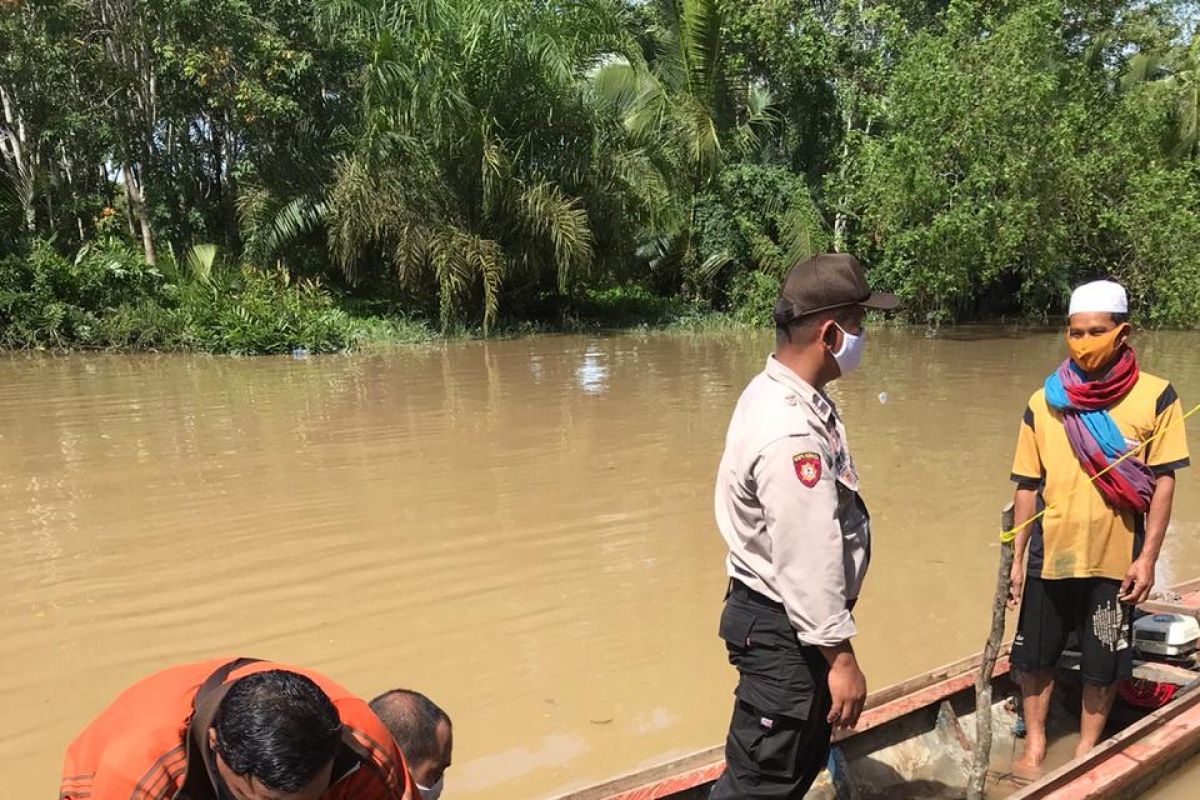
(808, 468)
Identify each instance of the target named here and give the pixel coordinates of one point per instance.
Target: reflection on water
(522, 529)
(592, 372)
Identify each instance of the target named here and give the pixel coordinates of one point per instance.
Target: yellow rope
(1009, 535)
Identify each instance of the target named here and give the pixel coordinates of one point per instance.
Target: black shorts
(778, 738)
(1052, 609)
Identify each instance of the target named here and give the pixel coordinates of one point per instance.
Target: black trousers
(1051, 609)
(778, 737)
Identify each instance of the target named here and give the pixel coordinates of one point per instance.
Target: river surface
(521, 529)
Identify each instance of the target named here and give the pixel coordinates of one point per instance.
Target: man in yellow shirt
(1092, 555)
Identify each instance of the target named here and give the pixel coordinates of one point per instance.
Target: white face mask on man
(849, 355)
(432, 792)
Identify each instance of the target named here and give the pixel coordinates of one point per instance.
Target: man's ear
(212, 739)
(829, 333)
(1123, 336)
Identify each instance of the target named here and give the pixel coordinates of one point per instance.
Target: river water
(521, 529)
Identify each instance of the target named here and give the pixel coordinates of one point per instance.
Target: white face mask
(433, 792)
(850, 353)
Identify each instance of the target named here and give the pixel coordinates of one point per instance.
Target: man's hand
(1139, 580)
(848, 687)
(1016, 584)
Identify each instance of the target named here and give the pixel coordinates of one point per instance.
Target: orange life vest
(151, 743)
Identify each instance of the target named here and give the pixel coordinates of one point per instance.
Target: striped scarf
(1094, 437)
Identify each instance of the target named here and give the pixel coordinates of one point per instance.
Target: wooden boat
(915, 738)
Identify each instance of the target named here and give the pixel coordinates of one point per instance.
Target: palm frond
(700, 32)
(268, 227)
(618, 84)
(760, 105)
(649, 117)
(1142, 68)
(1093, 54)
(796, 238)
(485, 259)
(703, 140)
(712, 266)
(563, 221)
(199, 263)
(1183, 139)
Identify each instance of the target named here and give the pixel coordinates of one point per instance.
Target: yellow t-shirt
(1080, 535)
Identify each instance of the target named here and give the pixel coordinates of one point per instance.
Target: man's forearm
(1159, 516)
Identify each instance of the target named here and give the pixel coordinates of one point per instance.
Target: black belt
(743, 592)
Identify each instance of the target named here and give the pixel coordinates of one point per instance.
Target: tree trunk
(135, 192)
(18, 160)
(229, 188)
(127, 184)
(839, 220)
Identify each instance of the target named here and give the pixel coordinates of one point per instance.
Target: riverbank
(108, 298)
(302, 320)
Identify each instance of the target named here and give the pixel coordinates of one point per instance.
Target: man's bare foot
(1029, 765)
(1083, 748)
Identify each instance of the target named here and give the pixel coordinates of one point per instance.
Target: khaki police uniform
(799, 541)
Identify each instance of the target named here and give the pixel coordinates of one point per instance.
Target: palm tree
(1180, 75)
(680, 97)
(482, 160)
(680, 101)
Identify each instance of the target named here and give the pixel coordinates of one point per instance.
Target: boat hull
(916, 738)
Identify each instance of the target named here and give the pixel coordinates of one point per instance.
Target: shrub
(107, 297)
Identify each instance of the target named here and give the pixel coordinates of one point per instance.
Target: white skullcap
(1099, 296)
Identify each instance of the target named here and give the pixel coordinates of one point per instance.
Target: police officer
(799, 539)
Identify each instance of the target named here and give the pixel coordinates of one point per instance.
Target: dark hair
(413, 720)
(277, 727)
(785, 334)
(1120, 319)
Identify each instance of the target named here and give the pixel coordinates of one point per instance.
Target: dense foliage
(483, 162)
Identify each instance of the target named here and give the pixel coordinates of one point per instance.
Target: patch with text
(808, 468)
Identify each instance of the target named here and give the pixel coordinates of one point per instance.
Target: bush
(47, 300)
(106, 297)
(760, 219)
(752, 298)
(1160, 219)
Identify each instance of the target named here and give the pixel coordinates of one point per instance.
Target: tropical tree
(1179, 74)
(49, 148)
(679, 100)
(481, 161)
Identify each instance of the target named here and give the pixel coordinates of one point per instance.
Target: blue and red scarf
(1094, 437)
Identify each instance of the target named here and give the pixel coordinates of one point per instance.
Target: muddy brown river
(521, 529)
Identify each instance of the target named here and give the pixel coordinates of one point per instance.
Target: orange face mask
(1092, 353)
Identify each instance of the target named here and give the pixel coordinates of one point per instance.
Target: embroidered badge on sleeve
(808, 468)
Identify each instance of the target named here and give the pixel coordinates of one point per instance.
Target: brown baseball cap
(825, 282)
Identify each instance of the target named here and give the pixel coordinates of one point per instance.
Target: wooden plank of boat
(705, 766)
(1130, 762)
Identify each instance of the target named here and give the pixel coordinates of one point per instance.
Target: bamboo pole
(983, 683)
